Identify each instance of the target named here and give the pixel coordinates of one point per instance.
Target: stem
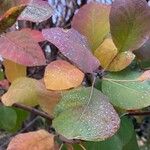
(34, 111)
(108, 79)
(142, 113)
(82, 146)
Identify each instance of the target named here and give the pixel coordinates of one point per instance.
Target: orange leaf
(144, 76)
(61, 75)
(38, 140)
(13, 70)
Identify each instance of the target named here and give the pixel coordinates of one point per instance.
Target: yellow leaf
(110, 58)
(61, 75)
(38, 140)
(13, 70)
(25, 91)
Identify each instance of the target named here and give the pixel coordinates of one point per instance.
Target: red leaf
(21, 48)
(74, 46)
(35, 34)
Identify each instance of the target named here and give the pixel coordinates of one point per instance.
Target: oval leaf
(73, 46)
(61, 75)
(128, 94)
(92, 20)
(13, 70)
(36, 11)
(10, 17)
(129, 23)
(24, 90)
(20, 47)
(37, 140)
(85, 114)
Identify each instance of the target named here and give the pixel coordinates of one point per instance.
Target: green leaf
(124, 138)
(126, 94)
(85, 114)
(129, 23)
(8, 118)
(1, 75)
(21, 117)
(95, 25)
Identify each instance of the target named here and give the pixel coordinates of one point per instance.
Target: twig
(142, 113)
(34, 111)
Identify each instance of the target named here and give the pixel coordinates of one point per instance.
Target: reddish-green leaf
(92, 20)
(74, 46)
(129, 23)
(20, 47)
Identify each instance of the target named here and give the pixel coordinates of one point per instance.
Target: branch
(34, 111)
(142, 113)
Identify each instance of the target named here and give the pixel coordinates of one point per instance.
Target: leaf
(110, 58)
(145, 76)
(143, 53)
(10, 17)
(21, 48)
(119, 141)
(36, 11)
(35, 34)
(24, 90)
(129, 24)
(1, 74)
(49, 101)
(13, 70)
(82, 114)
(128, 94)
(21, 117)
(37, 140)
(92, 20)
(8, 118)
(73, 46)
(5, 5)
(61, 75)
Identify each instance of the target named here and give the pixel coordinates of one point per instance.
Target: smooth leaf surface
(143, 53)
(8, 118)
(126, 94)
(36, 11)
(20, 47)
(61, 75)
(24, 90)
(73, 46)
(10, 17)
(120, 141)
(129, 23)
(37, 140)
(13, 70)
(35, 34)
(110, 58)
(92, 20)
(86, 115)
